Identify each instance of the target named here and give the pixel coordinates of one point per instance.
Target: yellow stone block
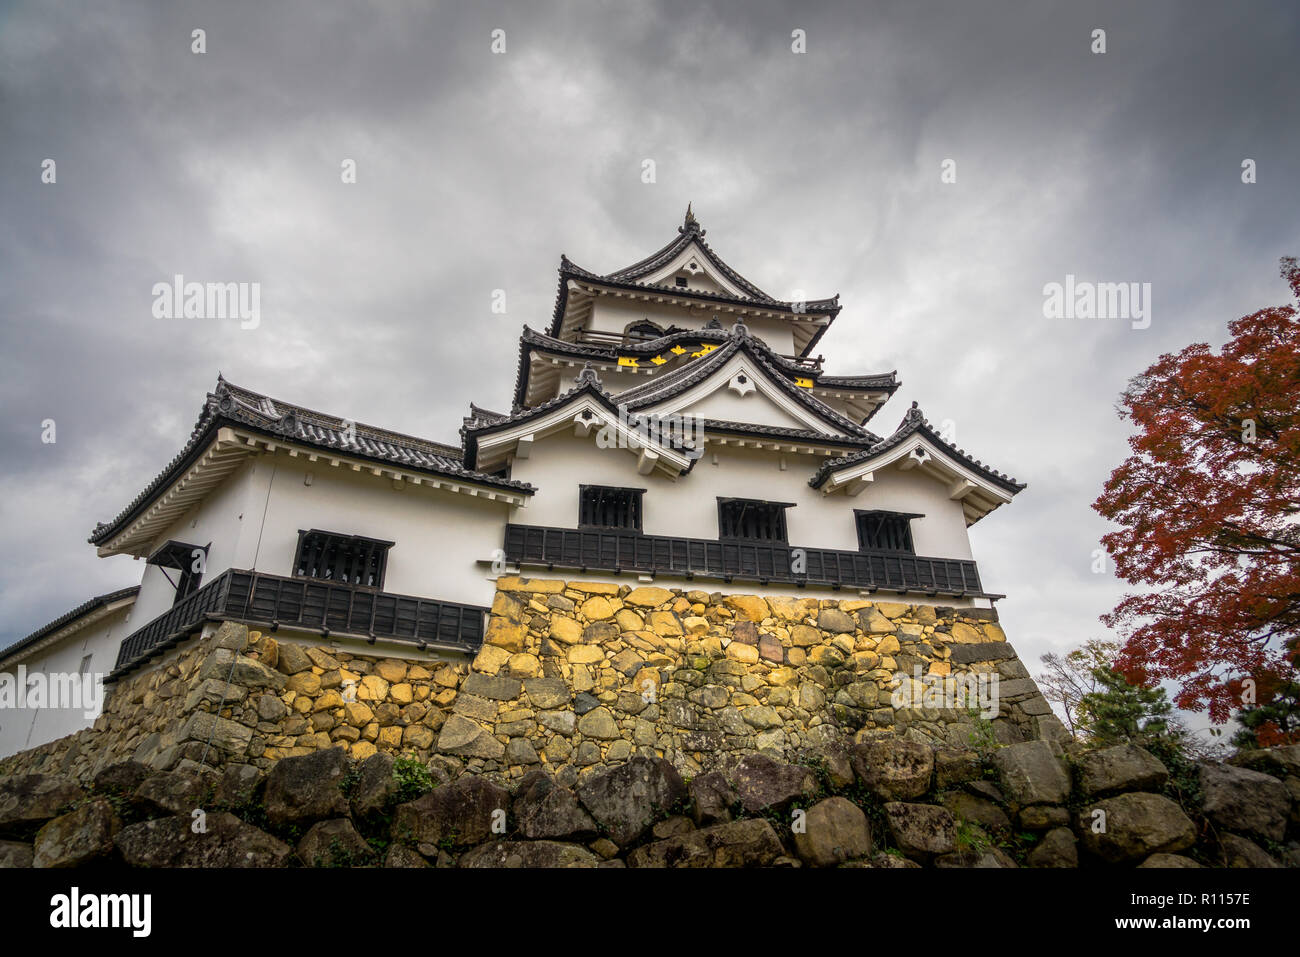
(742, 652)
(372, 688)
(597, 609)
(490, 659)
(648, 596)
(360, 750)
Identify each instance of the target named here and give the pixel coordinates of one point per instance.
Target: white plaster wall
(252, 520)
(439, 535)
(229, 518)
(25, 728)
(687, 506)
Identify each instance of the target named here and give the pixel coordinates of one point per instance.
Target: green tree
(1118, 712)
(1065, 679)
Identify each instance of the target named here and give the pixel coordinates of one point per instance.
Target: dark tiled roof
(232, 405)
(672, 383)
(587, 383)
(913, 422)
(687, 233)
(882, 381)
(783, 432)
(478, 417)
(68, 618)
(630, 278)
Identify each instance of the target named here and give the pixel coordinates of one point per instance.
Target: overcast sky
(818, 171)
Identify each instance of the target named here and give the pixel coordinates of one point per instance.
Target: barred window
(603, 507)
(885, 531)
(751, 520)
(351, 559)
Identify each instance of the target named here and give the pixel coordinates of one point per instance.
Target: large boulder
(750, 843)
(1169, 861)
(375, 786)
(226, 841)
(1030, 773)
(1056, 849)
(894, 769)
(712, 798)
(122, 777)
(763, 784)
(1236, 851)
(239, 786)
(833, 831)
(1134, 826)
(626, 801)
(1125, 767)
(956, 766)
(334, 843)
(1278, 762)
(1244, 801)
(401, 855)
(27, 800)
(529, 854)
(977, 810)
(468, 811)
(77, 838)
(308, 788)
(544, 809)
(174, 792)
(921, 831)
(15, 854)
(985, 857)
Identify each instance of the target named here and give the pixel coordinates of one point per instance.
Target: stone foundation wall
(578, 677)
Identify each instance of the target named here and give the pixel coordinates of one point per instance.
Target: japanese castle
(671, 423)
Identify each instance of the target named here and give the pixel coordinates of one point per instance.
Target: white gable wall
(23, 728)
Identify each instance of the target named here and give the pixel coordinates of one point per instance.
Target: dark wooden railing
(275, 601)
(763, 562)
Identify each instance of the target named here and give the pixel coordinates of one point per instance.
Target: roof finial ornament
(914, 414)
(740, 329)
(588, 376)
(689, 223)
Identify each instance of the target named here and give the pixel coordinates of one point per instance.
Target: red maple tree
(1209, 509)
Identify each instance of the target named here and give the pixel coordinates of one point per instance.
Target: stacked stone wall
(575, 677)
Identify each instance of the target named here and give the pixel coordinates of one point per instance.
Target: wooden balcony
(616, 551)
(329, 608)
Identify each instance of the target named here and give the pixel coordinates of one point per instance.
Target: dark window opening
(602, 507)
(681, 281)
(752, 521)
(885, 531)
(351, 559)
(644, 332)
(187, 564)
